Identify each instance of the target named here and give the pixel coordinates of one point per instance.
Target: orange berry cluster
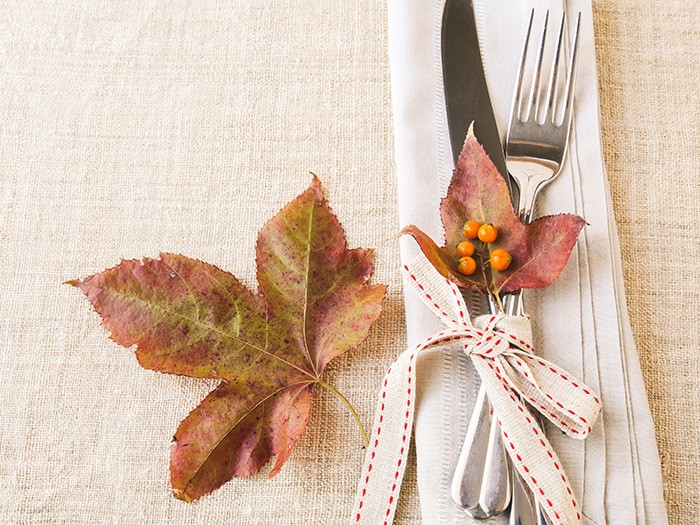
(499, 258)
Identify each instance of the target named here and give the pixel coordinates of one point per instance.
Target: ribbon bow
(501, 350)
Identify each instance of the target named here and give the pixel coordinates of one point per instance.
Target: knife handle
(481, 483)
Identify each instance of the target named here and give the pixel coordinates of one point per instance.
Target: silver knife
(481, 484)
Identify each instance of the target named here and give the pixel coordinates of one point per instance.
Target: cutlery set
(484, 483)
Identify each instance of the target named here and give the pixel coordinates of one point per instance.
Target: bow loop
(558, 396)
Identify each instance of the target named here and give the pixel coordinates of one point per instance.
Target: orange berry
(471, 229)
(487, 233)
(500, 259)
(467, 266)
(465, 249)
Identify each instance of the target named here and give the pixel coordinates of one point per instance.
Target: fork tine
(550, 112)
(516, 110)
(571, 79)
(534, 104)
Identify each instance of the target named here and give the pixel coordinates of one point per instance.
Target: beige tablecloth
(127, 128)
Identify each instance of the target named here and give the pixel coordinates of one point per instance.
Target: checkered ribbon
(501, 350)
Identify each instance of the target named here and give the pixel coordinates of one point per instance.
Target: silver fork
(535, 148)
(535, 151)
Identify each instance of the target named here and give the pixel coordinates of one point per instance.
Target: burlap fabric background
(127, 128)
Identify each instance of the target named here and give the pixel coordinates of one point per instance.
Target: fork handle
(530, 177)
(526, 507)
(523, 505)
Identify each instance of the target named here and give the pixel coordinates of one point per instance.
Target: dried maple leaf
(477, 191)
(269, 348)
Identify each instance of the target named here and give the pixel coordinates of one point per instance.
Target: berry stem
(497, 296)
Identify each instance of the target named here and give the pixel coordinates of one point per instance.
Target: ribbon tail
(564, 400)
(531, 453)
(386, 457)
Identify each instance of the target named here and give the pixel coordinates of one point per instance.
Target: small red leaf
(477, 191)
(190, 318)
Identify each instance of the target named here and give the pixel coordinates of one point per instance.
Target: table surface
(129, 128)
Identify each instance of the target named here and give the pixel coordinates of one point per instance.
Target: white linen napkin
(580, 321)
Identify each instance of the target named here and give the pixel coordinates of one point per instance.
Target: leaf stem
(347, 403)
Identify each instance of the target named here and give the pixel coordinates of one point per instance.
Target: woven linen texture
(648, 56)
(127, 128)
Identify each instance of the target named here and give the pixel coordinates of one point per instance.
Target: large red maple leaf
(268, 348)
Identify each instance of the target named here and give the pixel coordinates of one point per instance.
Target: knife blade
(466, 93)
(482, 483)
